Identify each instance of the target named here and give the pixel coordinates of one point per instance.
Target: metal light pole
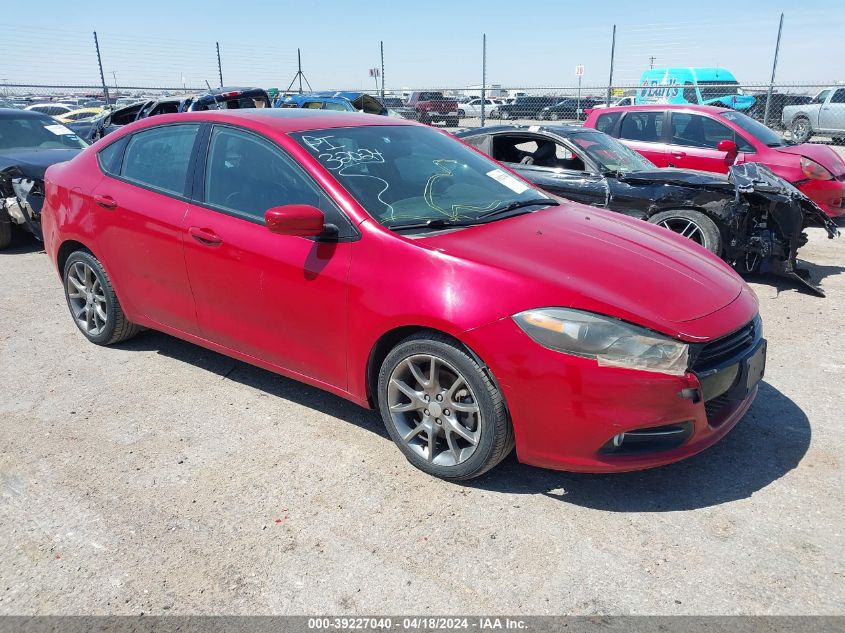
(381, 46)
(483, 74)
(116, 91)
(774, 69)
(612, 53)
(219, 65)
(100, 64)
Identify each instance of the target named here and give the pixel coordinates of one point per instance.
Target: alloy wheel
(87, 299)
(685, 228)
(434, 410)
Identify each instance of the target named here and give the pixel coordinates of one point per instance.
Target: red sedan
(394, 266)
(713, 139)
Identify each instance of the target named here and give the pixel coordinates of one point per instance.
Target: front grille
(714, 353)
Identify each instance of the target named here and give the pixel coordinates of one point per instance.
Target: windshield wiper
(434, 223)
(513, 206)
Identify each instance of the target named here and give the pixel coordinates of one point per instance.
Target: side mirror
(295, 219)
(728, 146)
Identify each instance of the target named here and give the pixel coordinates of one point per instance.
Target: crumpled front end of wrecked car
(22, 199)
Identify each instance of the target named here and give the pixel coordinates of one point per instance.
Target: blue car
(338, 101)
(700, 86)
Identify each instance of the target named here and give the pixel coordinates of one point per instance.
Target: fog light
(618, 439)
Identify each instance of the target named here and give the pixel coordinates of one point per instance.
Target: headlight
(609, 341)
(813, 170)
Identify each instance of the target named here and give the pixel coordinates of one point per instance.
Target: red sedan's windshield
(765, 135)
(400, 173)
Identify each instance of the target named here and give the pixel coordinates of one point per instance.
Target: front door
(694, 139)
(278, 298)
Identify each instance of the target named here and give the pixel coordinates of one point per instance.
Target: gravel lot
(161, 478)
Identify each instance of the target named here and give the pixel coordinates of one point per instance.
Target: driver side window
(245, 175)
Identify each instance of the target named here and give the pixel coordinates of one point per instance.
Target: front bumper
(566, 411)
(828, 194)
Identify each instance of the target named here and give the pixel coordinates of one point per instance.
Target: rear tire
(442, 409)
(92, 301)
(801, 129)
(5, 229)
(693, 225)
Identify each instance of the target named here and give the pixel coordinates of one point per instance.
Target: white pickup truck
(825, 114)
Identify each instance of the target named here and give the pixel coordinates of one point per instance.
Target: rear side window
(642, 126)
(159, 158)
(607, 122)
(111, 157)
(838, 96)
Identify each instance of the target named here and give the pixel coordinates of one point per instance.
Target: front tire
(453, 122)
(442, 409)
(693, 225)
(92, 301)
(801, 129)
(461, 114)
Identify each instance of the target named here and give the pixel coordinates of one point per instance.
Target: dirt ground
(157, 477)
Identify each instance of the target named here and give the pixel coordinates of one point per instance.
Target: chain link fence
(801, 112)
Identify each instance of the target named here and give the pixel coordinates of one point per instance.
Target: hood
(683, 177)
(32, 163)
(824, 155)
(600, 261)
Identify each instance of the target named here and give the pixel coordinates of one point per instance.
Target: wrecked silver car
(29, 143)
(751, 218)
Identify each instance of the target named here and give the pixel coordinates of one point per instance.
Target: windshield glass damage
(415, 177)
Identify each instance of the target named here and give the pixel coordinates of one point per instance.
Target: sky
(430, 44)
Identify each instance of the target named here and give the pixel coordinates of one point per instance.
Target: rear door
(643, 131)
(278, 298)
(140, 206)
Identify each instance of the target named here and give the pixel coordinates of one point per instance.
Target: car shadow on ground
(815, 274)
(767, 443)
(265, 381)
(22, 243)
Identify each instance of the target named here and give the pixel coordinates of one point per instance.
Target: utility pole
(483, 74)
(651, 61)
(774, 69)
(612, 52)
(100, 64)
(116, 91)
(381, 46)
(219, 65)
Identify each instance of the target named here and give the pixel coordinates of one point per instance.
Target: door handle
(679, 154)
(205, 236)
(107, 202)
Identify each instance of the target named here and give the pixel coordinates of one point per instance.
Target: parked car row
(475, 293)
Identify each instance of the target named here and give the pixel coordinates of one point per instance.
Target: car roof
(284, 120)
(560, 130)
(15, 113)
(666, 106)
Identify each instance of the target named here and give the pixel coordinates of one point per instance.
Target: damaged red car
(388, 263)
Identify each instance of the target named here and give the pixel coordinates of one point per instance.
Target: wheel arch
(65, 250)
(387, 341)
